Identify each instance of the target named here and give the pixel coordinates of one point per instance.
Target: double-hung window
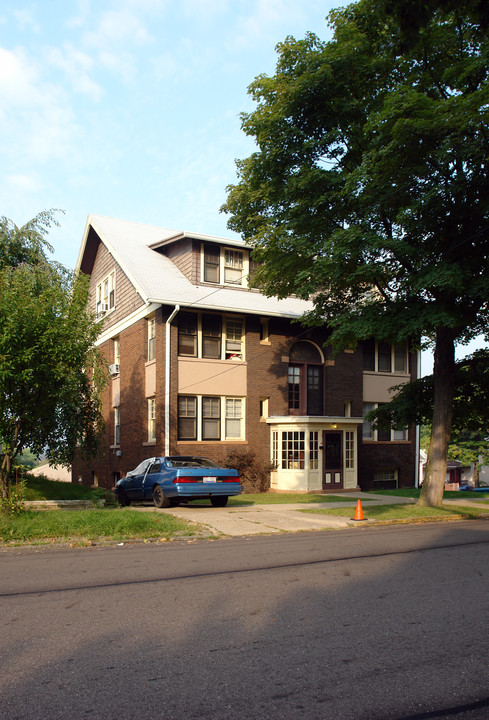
(151, 338)
(233, 266)
(200, 418)
(212, 262)
(384, 357)
(379, 434)
(105, 295)
(211, 418)
(151, 419)
(187, 417)
(224, 265)
(234, 339)
(117, 426)
(187, 334)
(210, 336)
(234, 417)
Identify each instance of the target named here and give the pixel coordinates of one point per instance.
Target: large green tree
(50, 373)
(368, 191)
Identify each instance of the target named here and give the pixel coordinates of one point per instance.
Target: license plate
(210, 479)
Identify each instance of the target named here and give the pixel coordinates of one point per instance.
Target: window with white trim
(151, 338)
(234, 417)
(349, 450)
(117, 426)
(380, 435)
(200, 418)
(224, 265)
(293, 448)
(313, 450)
(105, 295)
(275, 448)
(117, 351)
(211, 418)
(206, 335)
(152, 419)
(385, 357)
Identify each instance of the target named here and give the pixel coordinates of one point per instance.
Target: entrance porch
(314, 453)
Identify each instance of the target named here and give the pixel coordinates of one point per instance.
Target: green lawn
(115, 524)
(285, 499)
(40, 488)
(448, 494)
(409, 513)
(84, 527)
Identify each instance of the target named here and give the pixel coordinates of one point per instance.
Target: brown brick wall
(267, 378)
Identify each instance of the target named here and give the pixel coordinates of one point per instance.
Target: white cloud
(35, 120)
(118, 28)
(26, 20)
(28, 183)
(77, 66)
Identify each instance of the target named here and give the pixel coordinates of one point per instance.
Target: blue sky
(130, 108)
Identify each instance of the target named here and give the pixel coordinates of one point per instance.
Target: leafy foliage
(50, 373)
(368, 190)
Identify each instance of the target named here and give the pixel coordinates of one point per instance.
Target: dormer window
(224, 265)
(233, 266)
(211, 263)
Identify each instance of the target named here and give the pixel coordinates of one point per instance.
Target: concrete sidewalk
(265, 519)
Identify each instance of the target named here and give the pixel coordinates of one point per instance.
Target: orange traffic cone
(358, 512)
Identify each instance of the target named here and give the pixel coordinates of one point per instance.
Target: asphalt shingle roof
(158, 279)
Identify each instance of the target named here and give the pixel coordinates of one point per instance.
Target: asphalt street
(362, 624)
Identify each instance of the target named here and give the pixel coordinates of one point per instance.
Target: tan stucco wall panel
(376, 386)
(211, 377)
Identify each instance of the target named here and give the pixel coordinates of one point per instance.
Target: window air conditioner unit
(114, 369)
(101, 309)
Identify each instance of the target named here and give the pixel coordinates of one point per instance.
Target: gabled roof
(158, 280)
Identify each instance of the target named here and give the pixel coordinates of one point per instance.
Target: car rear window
(178, 462)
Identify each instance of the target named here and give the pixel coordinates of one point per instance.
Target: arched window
(305, 379)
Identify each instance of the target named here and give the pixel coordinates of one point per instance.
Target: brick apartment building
(200, 365)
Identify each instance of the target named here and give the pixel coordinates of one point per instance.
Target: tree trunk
(444, 384)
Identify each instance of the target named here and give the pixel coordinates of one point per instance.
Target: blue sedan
(168, 481)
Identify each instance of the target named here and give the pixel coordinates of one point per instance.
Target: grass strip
(389, 513)
(40, 488)
(287, 499)
(448, 494)
(85, 526)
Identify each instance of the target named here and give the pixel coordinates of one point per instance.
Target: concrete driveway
(266, 519)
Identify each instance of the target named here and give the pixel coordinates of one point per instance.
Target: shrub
(254, 474)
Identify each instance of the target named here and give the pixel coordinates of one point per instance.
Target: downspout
(418, 429)
(167, 379)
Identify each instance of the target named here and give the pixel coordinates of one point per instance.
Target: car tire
(122, 498)
(159, 498)
(219, 500)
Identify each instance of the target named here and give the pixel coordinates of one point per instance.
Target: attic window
(105, 295)
(224, 265)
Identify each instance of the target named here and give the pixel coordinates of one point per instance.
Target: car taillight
(187, 479)
(230, 478)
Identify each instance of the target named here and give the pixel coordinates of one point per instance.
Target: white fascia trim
(228, 309)
(235, 242)
(119, 327)
(313, 420)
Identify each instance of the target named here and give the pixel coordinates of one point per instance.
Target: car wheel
(219, 500)
(159, 498)
(122, 498)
